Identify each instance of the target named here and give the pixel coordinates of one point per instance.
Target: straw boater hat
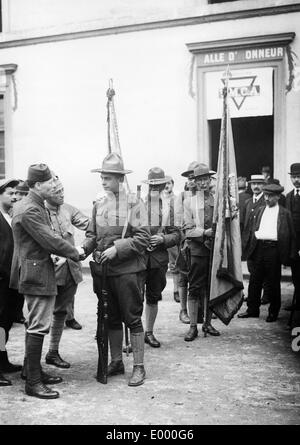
(203, 170)
(257, 178)
(157, 176)
(112, 163)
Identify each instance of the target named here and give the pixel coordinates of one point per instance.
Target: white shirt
(257, 197)
(6, 216)
(295, 192)
(268, 224)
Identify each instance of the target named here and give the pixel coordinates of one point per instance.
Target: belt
(268, 242)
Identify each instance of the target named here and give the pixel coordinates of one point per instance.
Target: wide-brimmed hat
(295, 169)
(112, 163)
(273, 188)
(4, 183)
(257, 178)
(38, 173)
(190, 169)
(157, 176)
(203, 170)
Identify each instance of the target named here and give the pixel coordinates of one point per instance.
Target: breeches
(154, 281)
(198, 276)
(65, 296)
(40, 310)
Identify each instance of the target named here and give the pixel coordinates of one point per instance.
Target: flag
(112, 127)
(226, 280)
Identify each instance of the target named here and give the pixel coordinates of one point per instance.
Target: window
(2, 153)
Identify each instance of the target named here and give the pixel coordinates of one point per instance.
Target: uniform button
(34, 264)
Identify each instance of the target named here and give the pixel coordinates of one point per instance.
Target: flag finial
(110, 92)
(226, 76)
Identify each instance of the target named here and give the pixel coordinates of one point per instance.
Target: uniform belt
(268, 242)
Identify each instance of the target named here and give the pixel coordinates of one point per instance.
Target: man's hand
(82, 255)
(108, 254)
(58, 260)
(209, 233)
(156, 240)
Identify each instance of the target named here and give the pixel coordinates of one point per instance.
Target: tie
(297, 195)
(255, 200)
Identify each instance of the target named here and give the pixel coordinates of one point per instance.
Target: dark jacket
(248, 217)
(32, 271)
(6, 247)
(285, 235)
(106, 228)
(243, 197)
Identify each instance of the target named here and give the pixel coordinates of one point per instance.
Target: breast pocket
(34, 272)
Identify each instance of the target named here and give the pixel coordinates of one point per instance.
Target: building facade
(167, 60)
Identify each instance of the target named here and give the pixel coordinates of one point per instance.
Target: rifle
(100, 288)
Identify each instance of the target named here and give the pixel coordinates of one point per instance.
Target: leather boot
(151, 340)
(4, 381)
(192, 334)
(115, 368)
(34, 386)
(46, 378)
(183, 316)
(138, 376)
(209, 329)
(53, 358)
(6, 366)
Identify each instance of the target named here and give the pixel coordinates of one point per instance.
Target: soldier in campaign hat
(197, 225)
(164, 235)
(33, 274)
(118, 236)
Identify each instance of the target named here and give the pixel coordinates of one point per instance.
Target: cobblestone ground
(248, 375)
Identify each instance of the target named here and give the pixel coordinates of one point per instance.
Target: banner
(226, 282)
(250, 93)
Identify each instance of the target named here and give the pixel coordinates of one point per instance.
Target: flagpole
(223, 147)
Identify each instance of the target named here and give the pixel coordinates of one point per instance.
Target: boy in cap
(68, 273)
(272, 244)
(8, 297)
(118, 236)
(164, 235)
(197, 224)
(33, 274)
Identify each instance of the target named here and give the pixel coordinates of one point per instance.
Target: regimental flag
(226, 282)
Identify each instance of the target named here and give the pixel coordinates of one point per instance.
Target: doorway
(253, 139)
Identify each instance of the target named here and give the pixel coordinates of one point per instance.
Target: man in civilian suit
(293, 205)
(272, 244)
(8, 297)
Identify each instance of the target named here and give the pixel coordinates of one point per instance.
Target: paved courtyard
(248, 375)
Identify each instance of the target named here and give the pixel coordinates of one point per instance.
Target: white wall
(61, 115)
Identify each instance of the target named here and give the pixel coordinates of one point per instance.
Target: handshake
(82, 254)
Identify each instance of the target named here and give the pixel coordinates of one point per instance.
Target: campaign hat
(157, 176)
(203, 170)
(112, 163)
(190, 169)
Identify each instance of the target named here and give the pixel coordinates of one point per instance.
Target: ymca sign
(250, 93)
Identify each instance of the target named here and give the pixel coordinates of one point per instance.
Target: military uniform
(119, 223)
(68, 275)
